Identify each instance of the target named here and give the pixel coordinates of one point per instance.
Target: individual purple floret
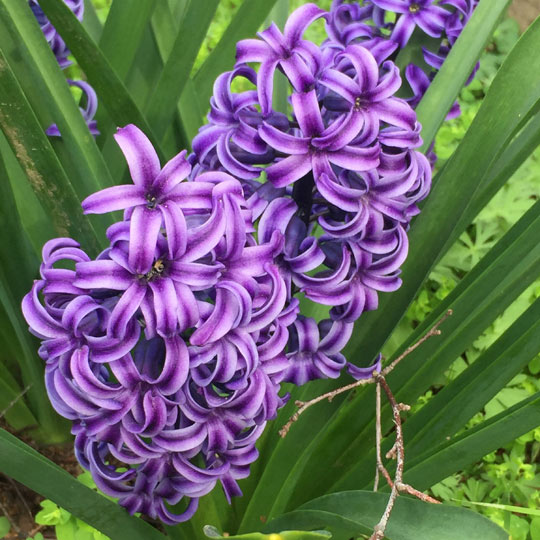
(412, 13)
(168, 350)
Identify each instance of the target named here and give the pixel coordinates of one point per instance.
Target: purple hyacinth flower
(365, 372)
(231, 139)
(88, 113)
(367, 94)
(348, 22)
(422, 13)
(155, 199)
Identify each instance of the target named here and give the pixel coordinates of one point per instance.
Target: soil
(21, 504)
(525, 11)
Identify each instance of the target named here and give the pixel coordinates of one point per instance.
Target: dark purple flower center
(414, 8)
(359, 104)
(151, 201)
(156, 271)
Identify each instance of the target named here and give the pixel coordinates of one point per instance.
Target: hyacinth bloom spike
(168, 350)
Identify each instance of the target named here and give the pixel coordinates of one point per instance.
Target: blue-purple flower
(168, 350)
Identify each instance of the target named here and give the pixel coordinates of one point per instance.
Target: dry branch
(397, 452)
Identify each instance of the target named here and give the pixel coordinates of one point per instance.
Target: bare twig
(377, 436)
(14, 400)
(397, 451)
(304, 405)
(14, 526)
(434, 331)
(378, 532)
(380, 468)
(35, 530)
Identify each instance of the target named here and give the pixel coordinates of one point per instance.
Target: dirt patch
(525, 11)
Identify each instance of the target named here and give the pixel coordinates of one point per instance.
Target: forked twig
(397, 451)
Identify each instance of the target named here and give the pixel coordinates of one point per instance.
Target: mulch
(21, 504)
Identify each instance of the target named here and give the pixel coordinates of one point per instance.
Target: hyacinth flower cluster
(168, 351)
(61, 52)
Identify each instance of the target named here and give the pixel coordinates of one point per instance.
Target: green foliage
(212, 532)
(27, 466)
(500, 476)
(355, 513)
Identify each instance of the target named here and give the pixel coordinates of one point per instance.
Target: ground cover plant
(283, 250)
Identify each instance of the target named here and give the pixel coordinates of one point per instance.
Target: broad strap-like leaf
(39, 162)
(457, 67)
(463, 397)
(353, 513)
(212, 532)
(192, 31)
(44, 84)
(435, 464)
(122, 33)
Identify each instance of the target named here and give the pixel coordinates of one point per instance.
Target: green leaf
(505, 507)
(245, 23)
(51, 514)
(535, 529)
(457, 67)
(5, 526)
(101, 75)
(15, 410)
(38, 160)
(21, 462)
(122, 34)
(353, 513)
(455, 404)
(513, 156)
(212, 532)
(163, 100)
(437, 463)
(45, 87)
